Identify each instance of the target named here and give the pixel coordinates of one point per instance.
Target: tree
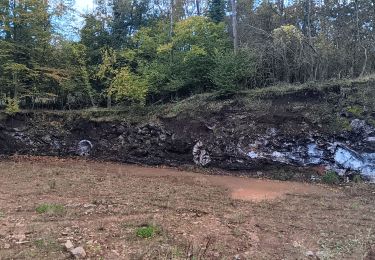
(216, 10)
(107, 71)
(127, 86)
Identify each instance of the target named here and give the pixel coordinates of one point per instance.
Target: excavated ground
(100, 206)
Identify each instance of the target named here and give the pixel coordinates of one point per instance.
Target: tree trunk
(172, 20)
(198, 7)
(109, 101)
(234, 26)
(364, 63)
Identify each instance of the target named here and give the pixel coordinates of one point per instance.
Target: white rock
(69, 245)
(6, 246)
(310, 254)
(19, 237)
(78, 252)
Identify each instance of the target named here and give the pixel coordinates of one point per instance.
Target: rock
(361, 127)
(19, 237)
(6, 246)
(309, 254)
(78, 252)
(69, 245)
(351, 160)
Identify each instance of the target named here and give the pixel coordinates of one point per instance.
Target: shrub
(12, 106)
(330, 177)
(146, 231)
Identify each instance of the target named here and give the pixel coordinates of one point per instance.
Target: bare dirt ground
(101, 206)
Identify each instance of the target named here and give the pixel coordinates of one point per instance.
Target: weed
(330, 177)
(357, 179)
(52, 184)
(2, 214)
(50, 209)
(147, 231)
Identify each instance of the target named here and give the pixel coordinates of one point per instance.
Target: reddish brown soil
(196, 216)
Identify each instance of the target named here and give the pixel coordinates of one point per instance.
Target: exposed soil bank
(328, 127)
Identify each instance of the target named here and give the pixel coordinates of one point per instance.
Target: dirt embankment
(101, 206)
(326, 127)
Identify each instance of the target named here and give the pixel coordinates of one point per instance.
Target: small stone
(237, 257)
(216, 254)
(69, 245)
(78, 252)
(310, 254)
(6, 246)
(19, 237)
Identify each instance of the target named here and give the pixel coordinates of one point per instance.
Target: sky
(84, 5)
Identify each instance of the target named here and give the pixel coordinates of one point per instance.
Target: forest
(145, 52)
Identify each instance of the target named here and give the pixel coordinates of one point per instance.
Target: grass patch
(330, 177)
(51, 209)
(147, 231)
(2, 214)
(47, 244)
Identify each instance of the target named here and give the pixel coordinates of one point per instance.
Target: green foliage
(356, 111)
(233, 71)
(50, 209)
(216, 10)
(181, 64)
(147, 231)
(128, 86)
(287, 35)
(330, 177)
(12, 106)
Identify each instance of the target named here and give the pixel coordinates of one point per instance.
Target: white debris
(252, 155)
(200, 155)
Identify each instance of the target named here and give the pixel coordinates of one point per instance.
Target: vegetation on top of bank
(331, 104)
